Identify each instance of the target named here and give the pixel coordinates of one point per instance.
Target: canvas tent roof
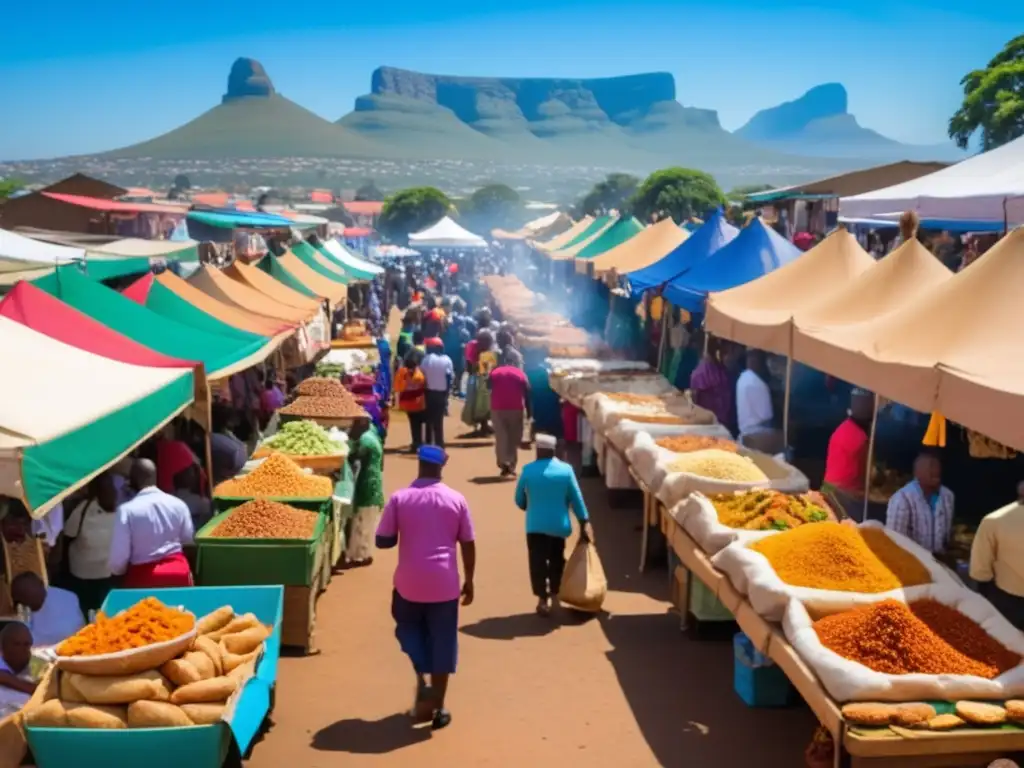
(321, 286)
(755, 251)
(549, 224)
(171, 250)
(712, 235)
(18, 253)
(234, 293)
(647, 247)
(222, 355)
(986, 187)
(852, 183)
(357, 267)
(256, 278)
(446, 234)
(760, 313)
(593, 233)
(90, 419)
(565, 238)
(622, 231)
(313, 259)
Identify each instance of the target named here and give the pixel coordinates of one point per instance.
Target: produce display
(309, 406)
(319, 386)
(718, 465)
(926, 637)
(923, 716)
(264, 519)
(304, 438)
(277, 476)
(765, 510)
(328, 370)
(148, 621)
(688, 443)
(192, 689)
(843, 558)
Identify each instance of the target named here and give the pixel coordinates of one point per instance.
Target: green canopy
(306, 253)
(221, 354)
(618, 233)
(595, 226)
(166, 302)
(350, 269)
(272, 267)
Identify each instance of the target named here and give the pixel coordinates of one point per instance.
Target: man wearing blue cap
(426, 521)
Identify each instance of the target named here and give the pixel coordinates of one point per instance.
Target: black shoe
(442, 719)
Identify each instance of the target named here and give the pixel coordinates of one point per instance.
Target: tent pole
(786, 401)
(871, 458)
(663, 341)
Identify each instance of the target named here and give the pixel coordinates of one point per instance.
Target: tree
(993, 100)
(412, 210)
(492, 207)
(369, 192)
(181, 182)
(677, 192)
(9, 186)
(612, 193)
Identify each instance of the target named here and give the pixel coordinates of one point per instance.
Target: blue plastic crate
(756, 678)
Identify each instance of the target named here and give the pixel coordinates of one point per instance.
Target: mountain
(253, 121)
(819, 124)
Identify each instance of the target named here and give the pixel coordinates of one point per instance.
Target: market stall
(446, 233)
(621, 232)
(647, 247)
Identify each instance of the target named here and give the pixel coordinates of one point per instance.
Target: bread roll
(208, 646)
(204, 714)
(157, 714)
(237, 624)
(203, 664)
(211, 622)
(245, 642)
(121, 689)
(216, 689)
(68, 693)
(87, 716)
(181, 672)
(50, 714)
(233, 660)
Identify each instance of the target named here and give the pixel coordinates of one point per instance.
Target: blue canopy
(757, 250)
(712, 235)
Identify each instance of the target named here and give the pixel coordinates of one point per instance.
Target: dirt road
(627, 689)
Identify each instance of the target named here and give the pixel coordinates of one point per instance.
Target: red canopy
(139, 290)
(46, 314)
(355, 232)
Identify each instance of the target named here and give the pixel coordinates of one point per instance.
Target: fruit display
(304, 438)
(264, 519)
(843, 558)
(147, 622)
(277, 477)
(766, 510)
(325, 408)
(718, 465)
(189, 690)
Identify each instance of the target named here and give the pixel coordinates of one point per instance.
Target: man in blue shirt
(546, 491)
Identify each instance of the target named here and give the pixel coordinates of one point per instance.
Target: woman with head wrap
(481, 359)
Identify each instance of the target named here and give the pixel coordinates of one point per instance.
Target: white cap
(546, 441)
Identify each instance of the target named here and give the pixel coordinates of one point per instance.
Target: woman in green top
(366, 453)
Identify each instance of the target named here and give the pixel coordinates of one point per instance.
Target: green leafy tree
(492, 207)
(613, 193)
(9, 186)
(369, 192)
(676, 192)
(993, 100)
(181, 182)
(412, 210)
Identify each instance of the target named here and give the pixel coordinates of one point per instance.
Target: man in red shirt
(510, 396)
(846, 461)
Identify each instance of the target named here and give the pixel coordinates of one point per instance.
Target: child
(16, 685)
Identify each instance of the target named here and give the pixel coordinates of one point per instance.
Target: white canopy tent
(349, 259)
(19, 253)
(446, 234)
(983, 188)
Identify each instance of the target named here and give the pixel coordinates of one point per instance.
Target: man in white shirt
(753, 397)
(55, 613)
(439, 373)
(150, 534)
(16, 685)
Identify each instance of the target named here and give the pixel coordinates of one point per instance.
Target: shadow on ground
(370, 737)
(513, 627)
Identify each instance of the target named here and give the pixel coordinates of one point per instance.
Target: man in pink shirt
(426, 521)
(510, 397)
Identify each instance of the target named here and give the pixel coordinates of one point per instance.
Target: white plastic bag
(752, 575)
(784, 477)
(847, 680)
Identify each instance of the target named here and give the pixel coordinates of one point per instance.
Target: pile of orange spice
(926, 637)
(147, 622)
(842, 558)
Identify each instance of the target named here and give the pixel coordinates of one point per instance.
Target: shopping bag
(584, 585)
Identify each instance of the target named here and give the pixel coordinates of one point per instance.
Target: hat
(432, 454)
(433, 341)
(546, 442)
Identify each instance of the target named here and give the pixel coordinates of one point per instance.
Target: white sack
(616, 472)
(752, 575)
(624, 434)
(847, 680)
(698, 517)
(676, 486)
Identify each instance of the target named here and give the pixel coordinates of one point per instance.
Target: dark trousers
(1011, 606)
(437, 404)
(417, 425)
(547, 561)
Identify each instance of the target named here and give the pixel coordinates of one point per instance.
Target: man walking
(425, 521)
(439, 373)
(547, 490)
(510, 397)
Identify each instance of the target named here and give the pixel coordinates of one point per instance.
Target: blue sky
(85, 77)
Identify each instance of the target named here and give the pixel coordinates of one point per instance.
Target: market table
(857, 747)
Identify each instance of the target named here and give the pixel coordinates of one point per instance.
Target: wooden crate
(298, 623)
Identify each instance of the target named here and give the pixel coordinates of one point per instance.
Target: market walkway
(625, 690)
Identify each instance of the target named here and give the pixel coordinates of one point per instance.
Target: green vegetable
(304, 438)
(330, 370)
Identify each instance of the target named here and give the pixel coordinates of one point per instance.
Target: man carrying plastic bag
(547, 490)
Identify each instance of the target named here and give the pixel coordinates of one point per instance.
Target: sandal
(442, 719)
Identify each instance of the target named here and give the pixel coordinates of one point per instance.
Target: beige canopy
(566, 237)
(643, 249)
(567, 254)
(760, 313)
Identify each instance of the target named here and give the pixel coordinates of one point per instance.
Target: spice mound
(767, 510)
(304, 438)
(309, 406)
(277, 476)
(320, 386)
(263, 519)
(925, 637)
(688, 443)
(719, 465)
(842, 558)
(148, 621)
